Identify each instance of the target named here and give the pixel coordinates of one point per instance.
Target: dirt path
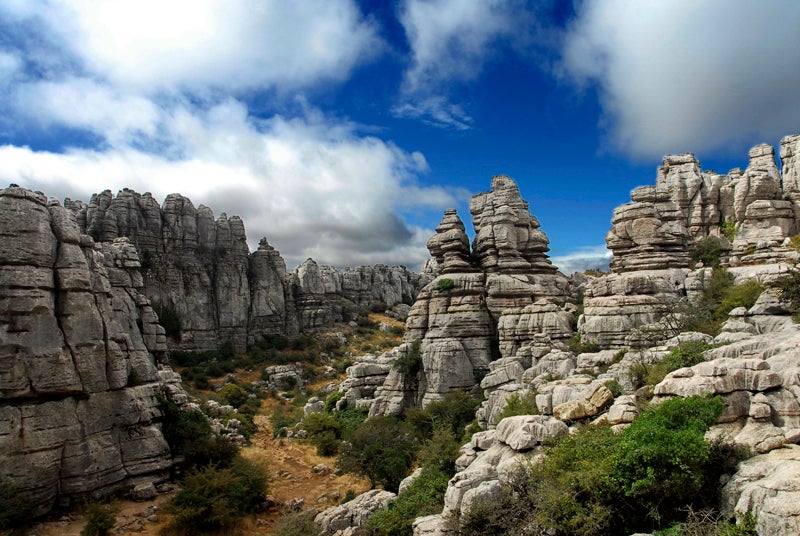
(289, 465)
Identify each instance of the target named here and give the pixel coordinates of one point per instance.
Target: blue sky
(341, 129)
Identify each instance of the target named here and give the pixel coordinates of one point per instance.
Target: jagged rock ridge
(203, 269)
(502, 299)
(751, 213)
(79, 343)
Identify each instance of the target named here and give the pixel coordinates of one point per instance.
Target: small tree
(381, 449)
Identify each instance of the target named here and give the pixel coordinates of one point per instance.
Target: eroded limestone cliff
(201, 268)
(751, 213)
(79, 351)
(502, 301)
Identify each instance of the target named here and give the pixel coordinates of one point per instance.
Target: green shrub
(595, 482)
(789, 289)
(332, 400)
(100, 518)
(710, 523)
(189, 433)
(410, 362)
(350, 419)
(728, 230)
(211, 498)
(519, 404)
(440, 452)
(444, 285)
(14, 506)
(577, 345)
(324, 432)
(708, 251)
(382, 449)
(169, 318)
(454, 411)
(233, 395)
(742, 295)
(686, 354)
(297, 524)
(614, 387)
(661, 460)
(424, 496)
(286, 415)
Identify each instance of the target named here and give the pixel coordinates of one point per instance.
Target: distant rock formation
(502, 299)
(751, 213)
(79, 351)
(202, 268)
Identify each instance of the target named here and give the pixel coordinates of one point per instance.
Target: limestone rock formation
(503, 300)
(79, 342)
(769, 486)
(751, 213)
(200, 268)
(353, 514)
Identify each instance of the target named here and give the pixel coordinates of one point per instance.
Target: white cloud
(313, 187)
(85, 104)
(200, 44)
(162, 86)
(586, 258)
(450, 40)
(679, 75)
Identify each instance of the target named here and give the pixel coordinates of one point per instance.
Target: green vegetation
(14, 506)
(424, 496)
(708, 251)
(789, 289)
(189, 433)
(519, 404)
(444, 285)
(410, 362)
(169, 318)
(100, 518)
(453, 412)
(720, 296)
(596, 482)
(214, 498)
(233, 395)
(686, 354)
(297, 524)
(579, 347)
(710, 523)
(728, 230)
(382, 449)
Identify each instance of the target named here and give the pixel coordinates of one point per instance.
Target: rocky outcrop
(751, 213)
(201, 268)
(503, 299)
(347, 517)
(79, 344)
(769, 487)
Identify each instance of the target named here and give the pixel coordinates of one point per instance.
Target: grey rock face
(652, 236)
(353, 514)
(201, 267)
(79, 343)
(498, 302)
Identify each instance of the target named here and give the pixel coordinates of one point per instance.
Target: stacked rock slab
(79, 381)
(202, 268)
(751, 213)
(482, 305)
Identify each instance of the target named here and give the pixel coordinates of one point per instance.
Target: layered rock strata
(79, 343)
(201, 268)
(498, 300)
(751, 213)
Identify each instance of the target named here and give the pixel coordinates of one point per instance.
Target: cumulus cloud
(163, 87)
(450, 40)
(314, 187)
(678, 74)
(197, 44)
(587, 258)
